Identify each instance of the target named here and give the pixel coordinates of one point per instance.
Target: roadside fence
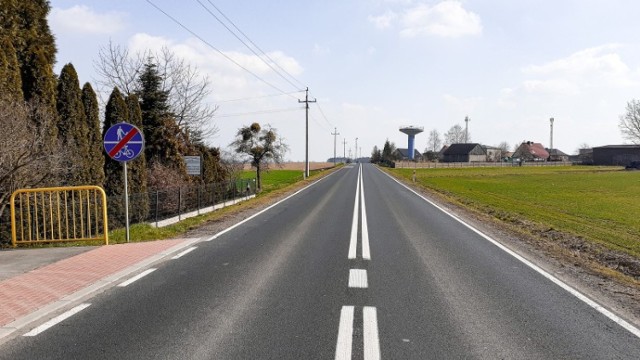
(438, 165)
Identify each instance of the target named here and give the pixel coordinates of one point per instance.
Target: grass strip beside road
(274, 183)
(597, 204)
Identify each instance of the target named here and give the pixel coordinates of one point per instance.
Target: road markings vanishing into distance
(353, 243)
(358, 279)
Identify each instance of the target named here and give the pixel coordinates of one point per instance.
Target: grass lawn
(596, 203)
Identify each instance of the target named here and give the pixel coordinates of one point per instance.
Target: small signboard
(193, 164)
(123, 142)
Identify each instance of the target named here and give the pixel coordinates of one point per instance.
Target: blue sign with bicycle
(123, 142)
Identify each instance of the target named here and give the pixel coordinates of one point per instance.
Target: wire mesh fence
(157, 205)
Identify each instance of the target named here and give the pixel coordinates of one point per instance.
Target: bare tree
(27, 160)
(187, 88)
(434, 141)
(504, 147)
(630, 122)
(456, 135)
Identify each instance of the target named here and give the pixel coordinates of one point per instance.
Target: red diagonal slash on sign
(133, 132)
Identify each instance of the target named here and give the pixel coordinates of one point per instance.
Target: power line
(323, 116)
(247, 45)
(214, 48)
(272, 111)
(257, 97)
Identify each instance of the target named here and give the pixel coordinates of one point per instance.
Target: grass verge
(575, 207)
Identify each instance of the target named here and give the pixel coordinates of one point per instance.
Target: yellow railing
(58, 214)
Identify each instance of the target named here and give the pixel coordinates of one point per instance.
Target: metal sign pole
(126, 200)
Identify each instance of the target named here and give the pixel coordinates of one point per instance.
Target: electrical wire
(272, 111)
(214, 48)
(257, 97)
(247, 45)
(323, 116)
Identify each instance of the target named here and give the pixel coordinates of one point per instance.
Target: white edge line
(137, 277)
(345, 334)
(178, 256)
(601, 309)
(57, 320)
(370, 333)
(353, 242)
(268, 208)
(366, 251)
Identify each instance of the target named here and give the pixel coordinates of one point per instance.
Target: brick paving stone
(28, 292)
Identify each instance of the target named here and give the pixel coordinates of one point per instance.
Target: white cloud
(383, 21)
(596, 66)
(205, 57)
(447, 18)
(81, 19)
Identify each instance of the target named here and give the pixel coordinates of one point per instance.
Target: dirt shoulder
(608, 277)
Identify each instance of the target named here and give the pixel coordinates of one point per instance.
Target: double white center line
(353, 243)
(370, 333)
(358, 280)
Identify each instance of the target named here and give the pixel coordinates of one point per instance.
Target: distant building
(616, 154)
(493, 153)
(464, 153)
(557, 155)
(403, 154)
(530, 151)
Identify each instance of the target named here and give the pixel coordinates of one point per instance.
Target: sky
(374, 66)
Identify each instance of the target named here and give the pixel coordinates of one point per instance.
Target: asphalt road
(301, 282)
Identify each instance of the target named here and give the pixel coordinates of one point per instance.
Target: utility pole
(344, 150)
(356, 150)
(334, 133)
(466, 129)
(306, 101)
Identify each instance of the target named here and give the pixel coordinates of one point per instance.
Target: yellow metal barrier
(58, 214)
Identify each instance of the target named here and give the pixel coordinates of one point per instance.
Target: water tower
(412, 131)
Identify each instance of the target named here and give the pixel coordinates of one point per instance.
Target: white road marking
(345, 334)
(57, 320)
(137, 277)
(358, 278)
(370, 333)
(353, 243)
(366, 252)
(601, 309)
(266, 209)
(184, 252)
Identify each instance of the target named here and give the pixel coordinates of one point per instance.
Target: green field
(598, 204)
(276, 179)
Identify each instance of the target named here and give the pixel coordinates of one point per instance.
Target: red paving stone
(26, 293)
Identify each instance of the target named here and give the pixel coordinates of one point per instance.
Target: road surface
(354, 267)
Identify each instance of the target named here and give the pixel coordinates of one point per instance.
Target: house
(616, 154)
(403, 154)
(464, 153)
(530, 151)
(557, 155)
(493, 153)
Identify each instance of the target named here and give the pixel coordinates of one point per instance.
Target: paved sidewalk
(32, 295)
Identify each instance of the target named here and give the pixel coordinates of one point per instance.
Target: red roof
(537, 150)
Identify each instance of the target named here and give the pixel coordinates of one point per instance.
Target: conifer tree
(137, 168)
(92, 118)
(10, 81)
(25, 23)
(73, 130)
(115, 112)
(164, 140)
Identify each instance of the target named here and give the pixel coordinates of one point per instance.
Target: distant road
(353, 267)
